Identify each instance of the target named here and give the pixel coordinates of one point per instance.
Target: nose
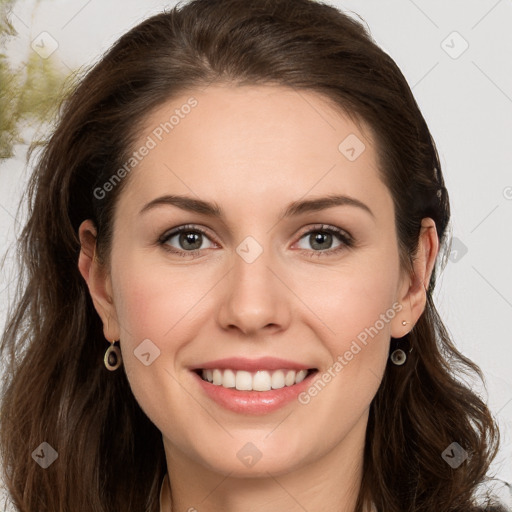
(255, 299)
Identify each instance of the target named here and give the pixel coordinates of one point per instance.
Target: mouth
(259, 380)
(255, 386)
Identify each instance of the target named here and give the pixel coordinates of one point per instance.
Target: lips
(253, 386)
(252, 365)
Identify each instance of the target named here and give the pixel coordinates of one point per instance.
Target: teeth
(289, 380)
(229, 379)
(243, 381)
(217, 377)
(261, 380)
(277, 380)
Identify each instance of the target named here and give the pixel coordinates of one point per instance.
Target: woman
(247, 198)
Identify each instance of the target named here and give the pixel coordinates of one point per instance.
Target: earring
(113, 357)
(398, 355)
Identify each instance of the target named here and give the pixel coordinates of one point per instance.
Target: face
(224, 258)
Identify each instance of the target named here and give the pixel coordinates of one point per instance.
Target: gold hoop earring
(398, 357)
(400, 348)
(113, 357)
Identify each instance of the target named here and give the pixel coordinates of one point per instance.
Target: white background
(467, 102)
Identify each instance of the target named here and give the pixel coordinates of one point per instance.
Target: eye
(189, 239)
(321, 238)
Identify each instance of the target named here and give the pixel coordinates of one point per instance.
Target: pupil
(326, 238)
(192, 238)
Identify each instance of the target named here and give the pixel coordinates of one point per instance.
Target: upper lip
(252, 365)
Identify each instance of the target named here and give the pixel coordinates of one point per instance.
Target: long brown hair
(56, 388)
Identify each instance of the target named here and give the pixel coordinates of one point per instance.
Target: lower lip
(253, 402)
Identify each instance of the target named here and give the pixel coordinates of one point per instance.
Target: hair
(56, 388)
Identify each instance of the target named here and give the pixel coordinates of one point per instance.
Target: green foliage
(27, 94)
(40, 90)
(8, 81)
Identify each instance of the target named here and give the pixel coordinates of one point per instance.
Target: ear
(412, 293)
(97, 279)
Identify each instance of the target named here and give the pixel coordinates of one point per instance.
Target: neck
(329, 483)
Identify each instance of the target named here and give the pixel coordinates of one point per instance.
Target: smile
(260, 380)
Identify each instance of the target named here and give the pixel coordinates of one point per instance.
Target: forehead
(267, 144)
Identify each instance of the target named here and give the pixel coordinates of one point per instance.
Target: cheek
(352, 298)
(156, 310)
(152, 301)
(351, 311)
(351, 308)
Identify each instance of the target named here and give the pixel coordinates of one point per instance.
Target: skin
(253, 150)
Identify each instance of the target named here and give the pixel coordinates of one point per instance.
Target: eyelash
(343, 236)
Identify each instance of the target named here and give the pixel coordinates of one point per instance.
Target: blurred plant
(8, 79)
(29, 93)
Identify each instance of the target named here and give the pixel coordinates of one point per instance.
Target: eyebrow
(293, 209)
